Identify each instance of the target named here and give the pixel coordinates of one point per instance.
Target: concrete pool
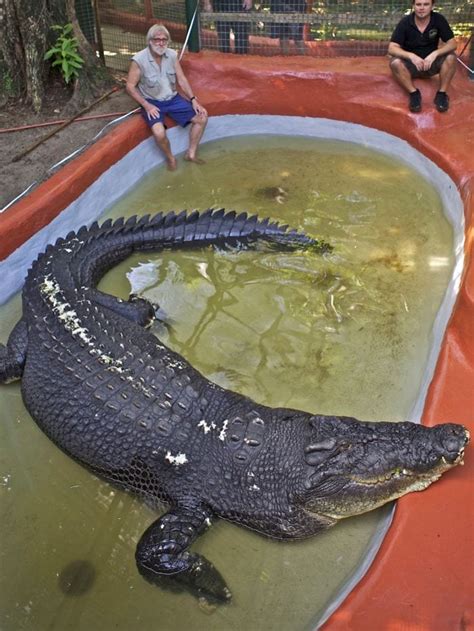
(445, 402)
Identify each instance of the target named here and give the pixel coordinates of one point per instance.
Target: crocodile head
(355, 467)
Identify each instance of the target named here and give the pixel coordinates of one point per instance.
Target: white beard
(160, 52)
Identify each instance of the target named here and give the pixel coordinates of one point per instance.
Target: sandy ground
(36, 166)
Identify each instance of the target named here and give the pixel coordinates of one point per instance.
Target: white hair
(157, 28)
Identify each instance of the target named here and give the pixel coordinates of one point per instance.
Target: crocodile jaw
(353, 494)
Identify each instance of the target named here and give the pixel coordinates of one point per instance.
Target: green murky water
(346, 333)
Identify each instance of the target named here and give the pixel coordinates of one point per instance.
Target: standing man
(241, 30)
(416, 52)
(151, 82)
(284, 31)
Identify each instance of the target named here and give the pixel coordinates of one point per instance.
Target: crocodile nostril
(452, 439)
(453, 444)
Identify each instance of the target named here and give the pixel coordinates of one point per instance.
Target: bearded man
(153, 78)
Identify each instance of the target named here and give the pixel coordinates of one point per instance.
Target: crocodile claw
(201, 579)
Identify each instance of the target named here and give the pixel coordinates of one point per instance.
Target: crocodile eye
(317, 453)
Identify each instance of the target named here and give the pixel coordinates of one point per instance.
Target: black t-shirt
(407, 35)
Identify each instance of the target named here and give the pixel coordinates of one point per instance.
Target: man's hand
(429, 59)
(152, 111)
(419, 62)
(247, 5)
(198, 108)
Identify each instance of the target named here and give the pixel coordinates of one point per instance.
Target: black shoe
(441, 101)
(415, 101)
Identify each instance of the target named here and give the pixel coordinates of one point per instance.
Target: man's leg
(300, 47)
(404, 78)
(223, 36)
(241, 34)
(284, 46)
(159, 133)
(447, 72)
(402, 75)
(198, 125)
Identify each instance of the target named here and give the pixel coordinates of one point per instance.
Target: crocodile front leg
(163, 559)
(136, 309)
(13, 355)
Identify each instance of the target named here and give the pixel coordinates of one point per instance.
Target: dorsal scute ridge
(181, 217)
(230, 222)
(252, 221)
(107, 224)
(129, 225)
(180, 227)
(193, 217)
(169, 219)
(242, 216)
(143, 221)
(82, 232)
(118, 225)
(157, 219)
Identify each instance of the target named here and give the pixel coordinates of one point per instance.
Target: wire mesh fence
(322, 28)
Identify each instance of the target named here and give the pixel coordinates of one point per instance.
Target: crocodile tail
(216, 226)
(94, 249)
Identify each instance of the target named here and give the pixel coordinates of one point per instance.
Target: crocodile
(112, 396)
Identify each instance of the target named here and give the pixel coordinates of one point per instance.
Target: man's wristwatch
(192, 98)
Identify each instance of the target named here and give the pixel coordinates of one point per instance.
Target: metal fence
(270, 27)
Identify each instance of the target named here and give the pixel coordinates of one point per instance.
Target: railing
(328, 28)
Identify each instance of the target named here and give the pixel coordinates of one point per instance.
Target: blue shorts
(177, 108)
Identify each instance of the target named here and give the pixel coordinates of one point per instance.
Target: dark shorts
(177, 108)
(416, 74)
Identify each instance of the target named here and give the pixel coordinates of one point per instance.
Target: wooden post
(148, 10)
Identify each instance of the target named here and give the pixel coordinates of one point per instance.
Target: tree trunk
(25, 36)
(94, 78)
(23, 31)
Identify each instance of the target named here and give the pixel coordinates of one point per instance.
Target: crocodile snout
(452, 440)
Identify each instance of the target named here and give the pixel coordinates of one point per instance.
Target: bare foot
(194, 159)
(171, 164)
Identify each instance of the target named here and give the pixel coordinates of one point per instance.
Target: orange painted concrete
(423, 577)
(22, 220)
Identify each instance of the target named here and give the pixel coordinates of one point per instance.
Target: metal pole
(98, 31)
(471, 59)
(192, 25)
